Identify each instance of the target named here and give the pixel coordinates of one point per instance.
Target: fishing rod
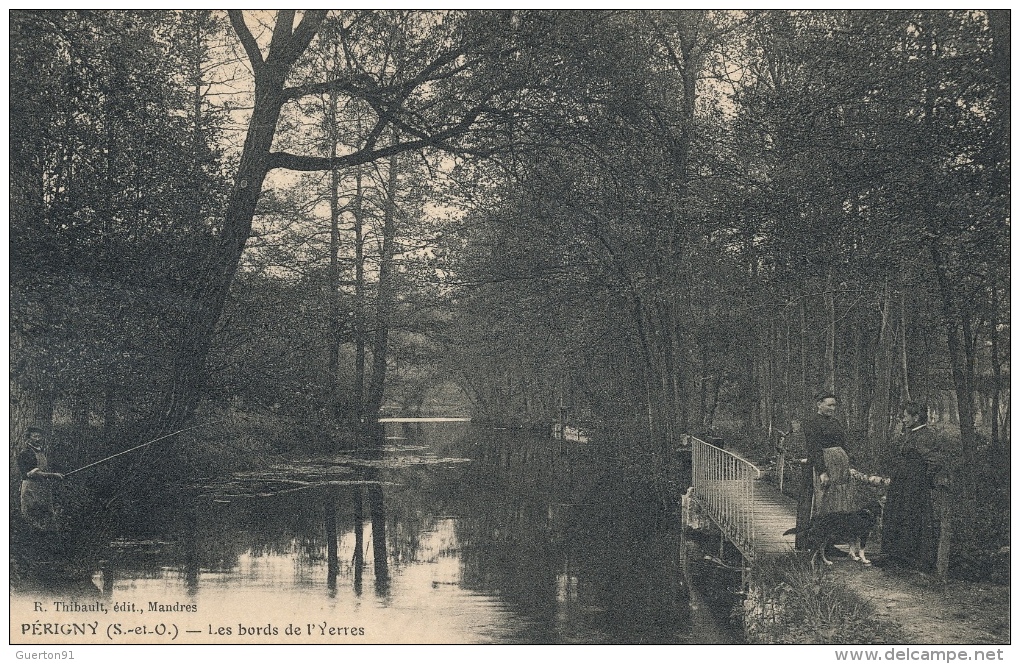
(136, 447)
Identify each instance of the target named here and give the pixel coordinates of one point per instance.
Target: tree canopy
(654, 222)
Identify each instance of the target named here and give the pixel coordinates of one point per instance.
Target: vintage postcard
(528, 326)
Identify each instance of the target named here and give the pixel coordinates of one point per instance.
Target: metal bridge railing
(724, 487)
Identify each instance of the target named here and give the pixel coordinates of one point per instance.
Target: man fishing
(37, 505)
(36, 488)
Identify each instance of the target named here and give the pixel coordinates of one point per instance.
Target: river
(458, 534)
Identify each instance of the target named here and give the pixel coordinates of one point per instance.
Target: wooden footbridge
(750, 513)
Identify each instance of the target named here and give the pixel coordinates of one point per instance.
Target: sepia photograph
(516, 327)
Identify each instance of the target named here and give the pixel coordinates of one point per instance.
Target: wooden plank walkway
(751, 513)
(774, 514)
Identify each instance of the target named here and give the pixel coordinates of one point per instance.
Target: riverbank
(848, 603)
(926, 611)
(458, 534)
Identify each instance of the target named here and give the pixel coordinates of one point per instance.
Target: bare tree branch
(355, 86)
(251, 47)
(307, 163)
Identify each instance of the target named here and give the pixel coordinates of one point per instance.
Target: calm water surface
(467, 535)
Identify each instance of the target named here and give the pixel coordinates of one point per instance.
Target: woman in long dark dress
(911, 522)
(825, 441)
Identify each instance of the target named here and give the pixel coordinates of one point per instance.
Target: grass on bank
(790, 603)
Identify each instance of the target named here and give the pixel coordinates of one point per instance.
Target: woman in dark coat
(911, 522)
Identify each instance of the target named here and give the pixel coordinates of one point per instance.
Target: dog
(850, 528)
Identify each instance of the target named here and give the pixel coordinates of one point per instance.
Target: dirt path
(928, 612)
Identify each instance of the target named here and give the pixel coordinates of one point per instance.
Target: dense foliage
(116, 181)
(651, 223)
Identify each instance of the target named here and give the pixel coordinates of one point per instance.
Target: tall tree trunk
(903, 342)
(996, 366)
(336, 319)
(200, 319)
(880, 402)
(360, 328)
(190, 372)
(804, 393)
(788, 369)
(859, 402)
(999, 23)
(769, 378)
(962, 380)
(970, 342)
(714, 401)
(703, 400)
(385, 297)
(830, 334)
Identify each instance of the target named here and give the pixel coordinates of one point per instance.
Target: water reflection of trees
(553, 535)
(346, 532)
(573, 551)
(549, 531)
